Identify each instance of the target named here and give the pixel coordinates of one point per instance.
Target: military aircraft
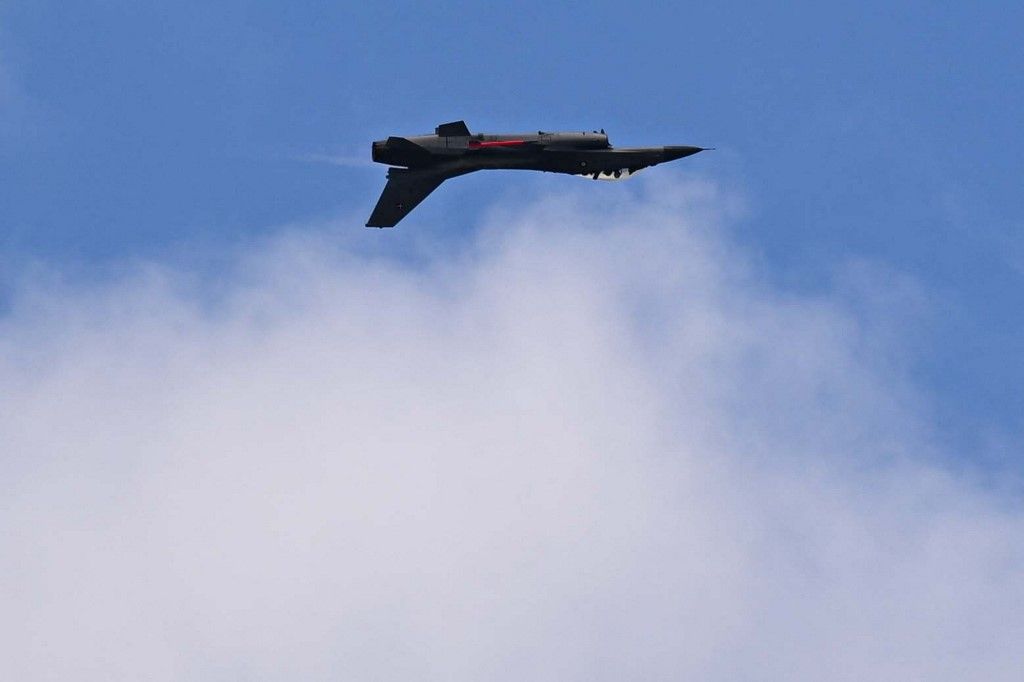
(423, 162)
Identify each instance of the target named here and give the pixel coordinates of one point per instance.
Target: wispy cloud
(592, 446)
(351, 161)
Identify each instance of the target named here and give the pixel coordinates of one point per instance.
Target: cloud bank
(593, 445)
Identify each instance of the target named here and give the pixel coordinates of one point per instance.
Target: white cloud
(595, 445)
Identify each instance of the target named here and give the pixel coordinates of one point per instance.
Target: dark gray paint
(423, 162)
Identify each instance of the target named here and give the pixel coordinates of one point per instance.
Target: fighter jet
(422, 162)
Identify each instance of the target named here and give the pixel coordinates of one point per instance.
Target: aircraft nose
(678, 152)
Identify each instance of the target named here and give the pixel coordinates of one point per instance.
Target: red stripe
(473, 144)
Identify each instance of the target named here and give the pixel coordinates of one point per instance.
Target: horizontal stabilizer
(454, 129)
(409, 148)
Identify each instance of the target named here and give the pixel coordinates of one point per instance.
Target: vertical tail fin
(453, 129)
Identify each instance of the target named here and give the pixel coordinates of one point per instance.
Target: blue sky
(868, 131)
(754, 413)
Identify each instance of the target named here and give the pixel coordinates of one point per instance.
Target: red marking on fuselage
(474, 144)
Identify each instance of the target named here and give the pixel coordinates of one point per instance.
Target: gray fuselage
(580, 153)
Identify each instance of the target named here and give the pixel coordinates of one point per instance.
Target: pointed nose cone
(673, 153)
